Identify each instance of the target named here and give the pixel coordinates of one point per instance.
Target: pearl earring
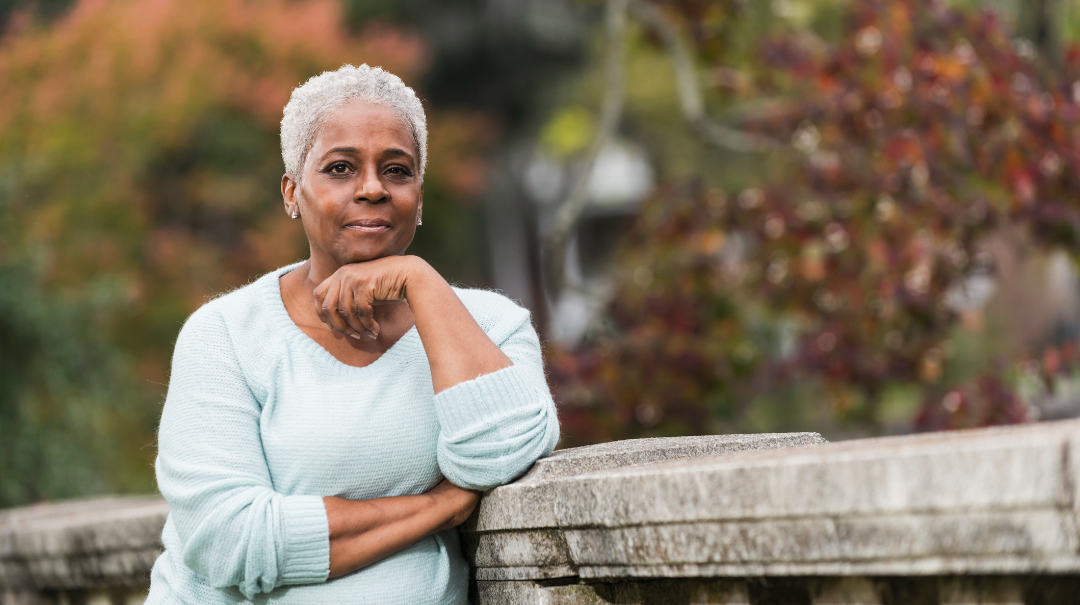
(419, 221)
(295, 214)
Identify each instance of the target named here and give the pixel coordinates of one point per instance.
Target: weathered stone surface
(1021, 541)
(991, 501)
(530, 593)
(530, 501)
(658, 592)
(924, 473)
(633, 452)
(948, 590)
(81, 544)
(540, 554)
(501, 551)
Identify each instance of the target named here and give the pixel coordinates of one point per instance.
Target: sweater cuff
(476, 404)
(307, 540)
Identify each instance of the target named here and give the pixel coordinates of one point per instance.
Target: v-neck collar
(275, 306)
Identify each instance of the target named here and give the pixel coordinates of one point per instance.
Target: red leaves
(986, 401)
(914, 138)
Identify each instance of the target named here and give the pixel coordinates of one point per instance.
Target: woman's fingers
(320, 295)
(344, 300)
(364, 311)
(329, 309)
(345, 303)
(354, 313)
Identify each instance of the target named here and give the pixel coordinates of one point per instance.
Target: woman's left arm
(495, 410)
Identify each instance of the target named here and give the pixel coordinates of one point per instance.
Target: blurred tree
(908, 139)
(17, 14)
(139, 171)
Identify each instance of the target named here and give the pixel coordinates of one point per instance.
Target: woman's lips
(369, 226)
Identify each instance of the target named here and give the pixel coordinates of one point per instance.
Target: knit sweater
(260, 423)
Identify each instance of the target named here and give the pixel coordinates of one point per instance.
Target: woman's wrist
(417, 270)
(419, 275)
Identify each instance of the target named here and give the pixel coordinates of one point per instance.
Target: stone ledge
(993, 501)
(633, 452)
(948, 590)
(99, 542)
(529, 502)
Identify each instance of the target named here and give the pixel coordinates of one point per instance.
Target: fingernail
(354, 335)
(373, 335)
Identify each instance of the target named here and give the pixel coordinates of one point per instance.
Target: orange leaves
(138, 144)
(174, 58)
(709, 242)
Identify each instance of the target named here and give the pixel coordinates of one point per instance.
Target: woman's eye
(339, 169)
(398, 171)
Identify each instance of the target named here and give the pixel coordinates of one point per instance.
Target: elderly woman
(329, 425)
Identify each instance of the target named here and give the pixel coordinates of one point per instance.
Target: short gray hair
(313, 101)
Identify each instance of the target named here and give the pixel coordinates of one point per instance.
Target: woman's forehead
(363, 125)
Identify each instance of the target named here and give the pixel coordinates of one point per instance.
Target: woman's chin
(365, 254)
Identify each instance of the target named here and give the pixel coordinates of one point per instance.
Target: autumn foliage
(903, 146)
(139, 175)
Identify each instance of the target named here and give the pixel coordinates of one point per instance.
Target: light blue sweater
(261, 422)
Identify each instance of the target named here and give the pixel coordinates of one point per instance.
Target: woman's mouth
(373, 225)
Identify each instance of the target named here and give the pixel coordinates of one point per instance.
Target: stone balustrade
(970, 517)
(88, 552)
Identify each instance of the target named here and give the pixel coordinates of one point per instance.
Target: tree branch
(691, 100)
(566, 217)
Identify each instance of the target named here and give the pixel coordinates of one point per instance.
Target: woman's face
(361, 193)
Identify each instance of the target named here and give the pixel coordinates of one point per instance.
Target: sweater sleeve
(494, 427)
(235, 530)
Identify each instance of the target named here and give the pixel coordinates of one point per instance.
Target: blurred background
(858, 217)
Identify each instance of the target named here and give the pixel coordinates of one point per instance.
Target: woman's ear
(420, 205)
(289, 195)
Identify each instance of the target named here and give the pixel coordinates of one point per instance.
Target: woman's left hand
(344, 300)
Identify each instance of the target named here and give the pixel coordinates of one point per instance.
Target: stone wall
(985, 516)
(88, 552)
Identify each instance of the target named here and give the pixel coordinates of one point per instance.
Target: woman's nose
(370, 188)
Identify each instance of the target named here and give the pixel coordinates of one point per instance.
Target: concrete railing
(985, 516)
(88, 552)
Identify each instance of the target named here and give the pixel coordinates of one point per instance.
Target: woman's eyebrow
(394, 151)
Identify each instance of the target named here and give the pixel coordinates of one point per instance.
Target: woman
(329, 425)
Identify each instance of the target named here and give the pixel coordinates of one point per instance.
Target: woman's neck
(317, 270)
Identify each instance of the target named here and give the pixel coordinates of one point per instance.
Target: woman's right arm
(234, 528)
(363, 532)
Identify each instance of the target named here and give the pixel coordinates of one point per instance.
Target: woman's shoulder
(497, 314)
(249, 307)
